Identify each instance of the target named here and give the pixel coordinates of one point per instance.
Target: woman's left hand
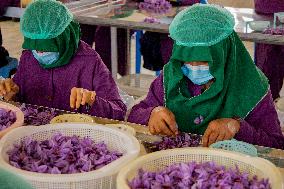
(220, 129)
(80, 96)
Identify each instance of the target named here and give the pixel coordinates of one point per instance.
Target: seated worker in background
(270, 58)
(210, 85)
(8, 65)
(57, 69)
(156, 48)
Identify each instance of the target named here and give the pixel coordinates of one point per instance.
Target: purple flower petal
(37, 116)
(55, 170)
(42, 169)
(7, 118)
(180, 141)
(155, 6)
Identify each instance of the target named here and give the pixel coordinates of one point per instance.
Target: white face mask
(199, 75)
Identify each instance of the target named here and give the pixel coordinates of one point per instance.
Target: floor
(13, 39)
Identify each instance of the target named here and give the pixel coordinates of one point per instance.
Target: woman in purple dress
(57, 69)
(210, 85)
(270, 58)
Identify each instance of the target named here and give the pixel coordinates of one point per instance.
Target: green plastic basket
(236, 146)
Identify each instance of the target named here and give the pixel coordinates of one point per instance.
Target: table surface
(276, 156)
(127, 15)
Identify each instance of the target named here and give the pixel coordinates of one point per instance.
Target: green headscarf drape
(238, 87)
(66, 44)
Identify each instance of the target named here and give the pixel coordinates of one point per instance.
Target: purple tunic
(101, 36)
(260, 127)
(268, 6)
(52, 87)
(270, 58)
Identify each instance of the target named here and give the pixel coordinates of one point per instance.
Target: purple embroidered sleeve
(141, 112)
(261, 126)
(108, 103)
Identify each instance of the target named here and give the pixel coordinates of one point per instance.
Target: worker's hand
(162, 121)
(220, 129)
(8, 89)
(80, 96)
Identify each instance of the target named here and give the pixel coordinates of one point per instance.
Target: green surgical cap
(45, 19)
(202, 25)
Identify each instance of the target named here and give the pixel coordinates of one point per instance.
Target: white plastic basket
(159, 160)
(104, 178)
(123, 127)
(72, 118)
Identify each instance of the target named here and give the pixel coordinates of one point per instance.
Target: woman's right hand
(8, 89)
(162, 121)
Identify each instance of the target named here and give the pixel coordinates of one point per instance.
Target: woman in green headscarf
(210, 85)
(57, 69)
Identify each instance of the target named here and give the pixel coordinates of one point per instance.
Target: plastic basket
(19, 115)
(79, 118)
(236, 146)
(104, 177)
(159, 160)
(123, 127)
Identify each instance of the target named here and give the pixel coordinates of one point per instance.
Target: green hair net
(11, 181)
(202, 25)
(45, 19)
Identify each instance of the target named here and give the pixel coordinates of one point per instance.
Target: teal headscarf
(47, 25)
(238, 87)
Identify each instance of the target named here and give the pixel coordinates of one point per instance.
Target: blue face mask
(46, 58)
(199, 75)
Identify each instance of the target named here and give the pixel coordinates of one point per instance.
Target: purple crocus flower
(196, 175)
(61, 155)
